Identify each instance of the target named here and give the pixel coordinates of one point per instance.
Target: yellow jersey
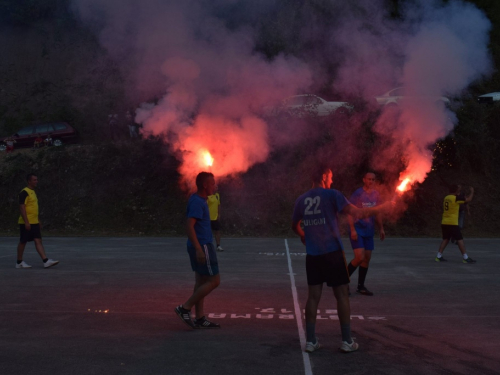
(213, 202)
(29, 199)
(451, 206)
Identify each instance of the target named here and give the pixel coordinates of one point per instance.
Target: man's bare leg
(443, 245)
(343, 306)
(39, 248)
(359, 257)
(20, 250)
(217, 237)
(366, 259)
(343, 311)
(461, 246)
(313, 298)
(203, 286)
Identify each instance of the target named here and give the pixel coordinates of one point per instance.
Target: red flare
(403, 186)
(207, 158)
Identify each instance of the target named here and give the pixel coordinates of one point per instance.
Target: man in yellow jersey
(449, 224)
(214, 208)
(30, 225)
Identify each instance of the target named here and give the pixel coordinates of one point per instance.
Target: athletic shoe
(219, 248)
(347, 348)
(363, 290)
(468, 260)
(23, 264)
(440, 259)
(310, 347)
(50, 263)
(185, 315)
(205, 323)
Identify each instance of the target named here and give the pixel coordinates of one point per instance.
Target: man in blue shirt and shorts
(362, 231)
(201, 253)
(315, 221)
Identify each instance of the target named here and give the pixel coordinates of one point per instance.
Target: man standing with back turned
(317, 210)
(30, 225)
(449, 223)
(201, 253)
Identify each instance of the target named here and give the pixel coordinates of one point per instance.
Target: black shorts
(451, 231)
(329, 268)
(29, 235)
(215, 224)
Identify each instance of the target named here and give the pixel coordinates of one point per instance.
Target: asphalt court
(107, 308)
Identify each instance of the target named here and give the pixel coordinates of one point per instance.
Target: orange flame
(403, 186)
(207, 158)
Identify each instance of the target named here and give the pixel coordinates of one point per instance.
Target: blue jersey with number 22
(318, 209)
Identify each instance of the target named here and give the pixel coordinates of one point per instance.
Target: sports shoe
(23, 264)
(185, 315)
(347, 348)
(219, 248)
(310, 347)
(440, 259)
(363, 290)
(468, 260)
(205, 323)
(50, 263)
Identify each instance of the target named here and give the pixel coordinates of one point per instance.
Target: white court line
(298, 315)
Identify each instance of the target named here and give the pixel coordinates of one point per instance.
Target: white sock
(439, 255)
(465, 256)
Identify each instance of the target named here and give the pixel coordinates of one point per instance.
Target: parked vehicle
(489, 98)
(60, 132)
(395, 96)
(312, 105)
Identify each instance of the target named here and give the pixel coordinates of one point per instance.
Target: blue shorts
(363, 242)
(211, 266)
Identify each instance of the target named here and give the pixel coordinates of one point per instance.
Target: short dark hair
(318, 172)
(201, 178)
(453, 188)
(29, 175)
(369, 172)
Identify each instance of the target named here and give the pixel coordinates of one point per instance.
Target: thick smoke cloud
(433, 49)
(210, 80)
(211, 83)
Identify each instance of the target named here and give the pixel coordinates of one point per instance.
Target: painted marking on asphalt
(361, 318)
(282, 254)
(298, 315)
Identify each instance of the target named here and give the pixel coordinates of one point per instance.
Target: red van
(60, 132)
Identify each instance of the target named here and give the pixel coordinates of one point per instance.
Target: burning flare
(207, 158)
(403, 186)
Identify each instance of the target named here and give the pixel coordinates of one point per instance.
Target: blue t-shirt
(198, 208)
(362, 199)
(318, 210)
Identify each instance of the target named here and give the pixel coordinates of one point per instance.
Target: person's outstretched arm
(468, 198)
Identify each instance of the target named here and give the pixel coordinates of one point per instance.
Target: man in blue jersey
(317, 211)
(201, 253)
(362, 231)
